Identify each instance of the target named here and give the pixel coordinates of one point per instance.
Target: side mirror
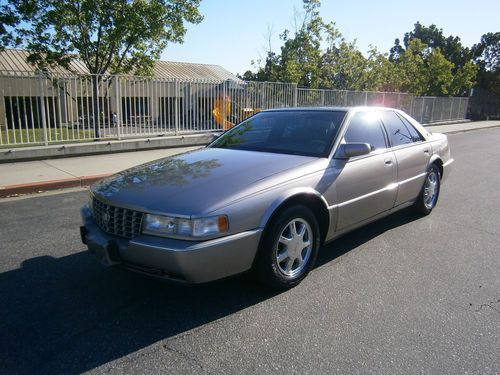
(349, 150)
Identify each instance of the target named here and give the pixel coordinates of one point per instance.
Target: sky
(235, 32)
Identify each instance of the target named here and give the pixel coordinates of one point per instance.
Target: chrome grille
(116, 220)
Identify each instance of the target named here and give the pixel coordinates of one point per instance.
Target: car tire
(429, 194)
(289, 248)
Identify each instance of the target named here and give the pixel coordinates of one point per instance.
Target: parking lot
(404, 295)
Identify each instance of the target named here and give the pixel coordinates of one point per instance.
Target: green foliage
(109, 36)
(487, 57)
(8, 21)
(318, 56)
(432, 64)
(464, 79)
(450, 47)
(344, 66)
(439, 73)
(411, 68)
(301, 54)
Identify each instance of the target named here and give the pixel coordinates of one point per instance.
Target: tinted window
(309, 133)
(365, 128)
(413, 132)
(398, 133)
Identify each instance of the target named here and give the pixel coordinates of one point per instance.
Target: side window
(398, 133)
(365, 128)
(413, 132)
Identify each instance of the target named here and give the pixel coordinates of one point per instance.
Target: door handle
(426, 151)
(388, 161)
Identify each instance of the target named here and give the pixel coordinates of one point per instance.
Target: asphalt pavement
(405, 295)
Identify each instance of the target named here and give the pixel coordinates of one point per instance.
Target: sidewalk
(36, 176)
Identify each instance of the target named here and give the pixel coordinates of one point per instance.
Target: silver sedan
(265, 195)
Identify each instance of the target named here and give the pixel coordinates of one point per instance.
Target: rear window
(309, 133)
(398, 132)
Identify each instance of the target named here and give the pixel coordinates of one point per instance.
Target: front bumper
(177, 260)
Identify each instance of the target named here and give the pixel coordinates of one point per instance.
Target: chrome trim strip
(412, 178)
(448, 163)
(388, 187)
(392, 186)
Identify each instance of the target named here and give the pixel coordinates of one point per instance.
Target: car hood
(192, 183)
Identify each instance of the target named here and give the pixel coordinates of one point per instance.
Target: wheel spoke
(289, 264)
(293, 229)
(302, 231)
(281, 257)
(284, 240)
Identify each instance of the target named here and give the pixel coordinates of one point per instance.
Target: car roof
(314, 109)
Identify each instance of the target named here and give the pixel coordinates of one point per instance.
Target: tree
(344, 66)
(487, 57)
(108, 36)
(8, 21)
(299, 60)
(440, 54)
(411, 67)
(381, 74)
(439, 74)
(451, 46)
(301, 54)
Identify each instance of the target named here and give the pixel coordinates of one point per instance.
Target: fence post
(118, 111)
(452, 101)
(42, 109)
(295, 94)
(433, 107)
(176, 107)
(345, 98)
(460, 109)
(223, 98)
(366, 98)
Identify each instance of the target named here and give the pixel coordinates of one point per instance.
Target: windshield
(297, 132)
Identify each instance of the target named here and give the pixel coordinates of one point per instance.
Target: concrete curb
(451, 122)
(103, 147)
(35, 187)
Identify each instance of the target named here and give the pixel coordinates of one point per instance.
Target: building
(176, 92)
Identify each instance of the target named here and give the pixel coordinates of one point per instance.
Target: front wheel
(289, 248)
(429, 195)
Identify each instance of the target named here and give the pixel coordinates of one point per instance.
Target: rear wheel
(429, 195)
(289, 248)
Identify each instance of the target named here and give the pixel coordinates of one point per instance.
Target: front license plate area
(108, 255)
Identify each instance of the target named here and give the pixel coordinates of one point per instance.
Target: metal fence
(61, 108)
(425, 109)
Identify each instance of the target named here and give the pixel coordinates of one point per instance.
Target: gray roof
(13, 62)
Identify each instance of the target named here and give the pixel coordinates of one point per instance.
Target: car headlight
(167, 226)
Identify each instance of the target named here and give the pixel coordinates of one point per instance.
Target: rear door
(366, 185)
(412, 155)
